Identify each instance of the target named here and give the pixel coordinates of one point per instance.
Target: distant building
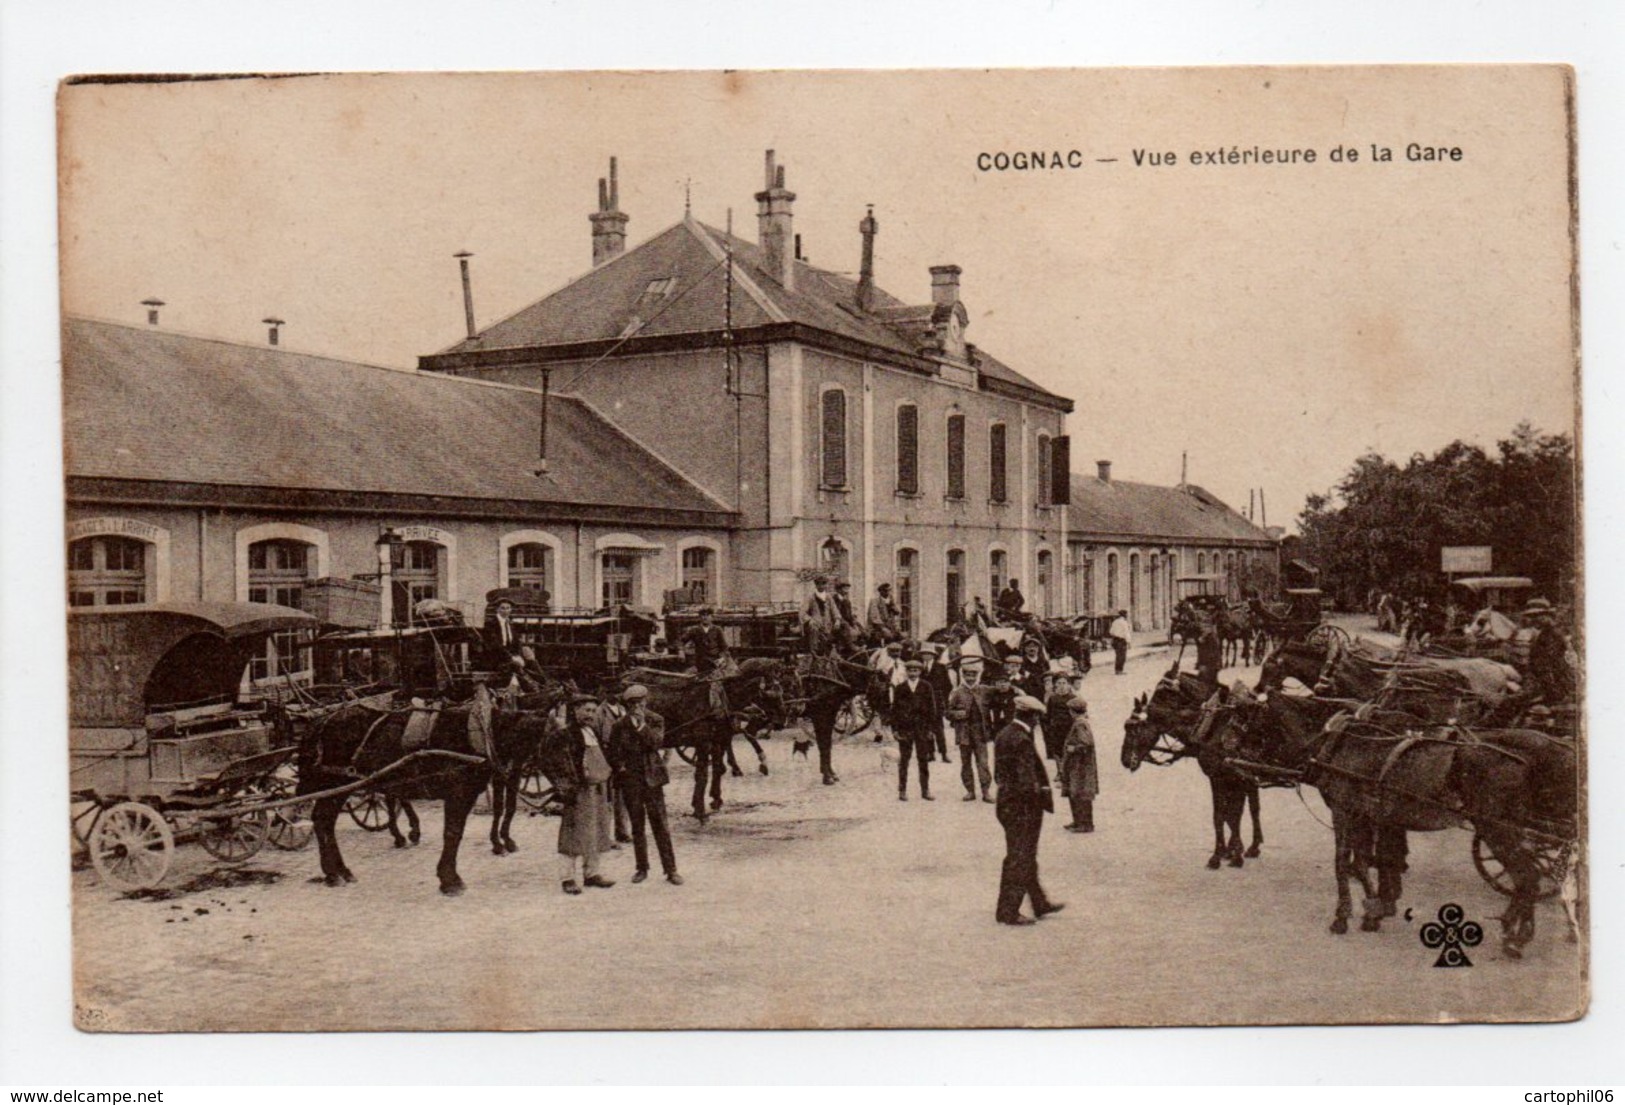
(869, 439)
(1131, 545)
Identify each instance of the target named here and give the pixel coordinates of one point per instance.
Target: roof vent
(1103, 468)
(152, 306)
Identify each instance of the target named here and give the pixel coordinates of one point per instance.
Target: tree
(1382, 526)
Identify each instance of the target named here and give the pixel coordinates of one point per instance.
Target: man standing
(1120, 633)
(705, 644)
(1024, 799)
(847, 629)
(818, 618)
(1209, 654)
(883, 617)
(1010, 602)
(940, 676)
(1080, 772)
(1548, 667)
(912, 714)
(635, 751)
(1057, 718)
(973, 729)
(580, 774)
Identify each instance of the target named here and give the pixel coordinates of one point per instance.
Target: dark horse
(453, 763)
(1380, 776)
(823, 686)
(1175, 711)
(511, 763)
(697, 718)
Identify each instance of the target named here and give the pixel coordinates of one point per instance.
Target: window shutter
(996, 489)
(1045, 479)
(956, 456)
(834, 474)
(908, 450)
(1061, 471)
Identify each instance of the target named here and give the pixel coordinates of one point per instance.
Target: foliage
(1383, 525)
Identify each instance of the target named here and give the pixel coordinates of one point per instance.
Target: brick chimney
(152, 306)
(866, 270)
(947, 310)
(608, 223)
(1103, 468)
(945, 285)
(272, 336)
(774, 228)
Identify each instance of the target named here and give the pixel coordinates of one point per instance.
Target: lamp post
(388, 541)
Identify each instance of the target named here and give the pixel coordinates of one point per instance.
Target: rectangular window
(529, 565)
(1061, 471)
(998, 572)
(908, 449)
(1045, 479)
(698, 578)
(956, 456)
(620, 579)
(997, 490)
(834, 438)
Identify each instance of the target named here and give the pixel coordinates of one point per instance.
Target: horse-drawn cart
(587, 647)
(163, 745)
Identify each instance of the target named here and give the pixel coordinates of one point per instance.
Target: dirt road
(810, 906)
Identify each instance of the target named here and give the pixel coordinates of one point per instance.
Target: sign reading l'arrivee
(1457, 559)
(102, 527)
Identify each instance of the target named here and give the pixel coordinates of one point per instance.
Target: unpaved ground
(811, 906)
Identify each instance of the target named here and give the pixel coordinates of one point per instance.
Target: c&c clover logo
(1452, 935)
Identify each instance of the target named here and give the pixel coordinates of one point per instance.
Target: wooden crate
(348, 603)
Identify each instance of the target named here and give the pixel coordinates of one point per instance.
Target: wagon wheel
(369, 809)
(686, 753)
(855, 716)
(291, 827)
(534, 789)
(1324, 634)
(234, 838)
(1552, 859)
(132, 846)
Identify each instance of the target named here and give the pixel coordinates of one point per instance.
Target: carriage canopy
(126, 662)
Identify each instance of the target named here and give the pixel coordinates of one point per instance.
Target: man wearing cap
(580, 774)
(847, 629)
(1080, 772)
(940, 676)
(818, 617)
(973, 729)
(636, 744)
(1024, 799)
(1010, 602)
(1549, 674)
(1120, 632)
(1209, 654)
(883, 616)
(706, 644)
(913, 712)
(1057, 717)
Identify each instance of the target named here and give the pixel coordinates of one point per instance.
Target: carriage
(588, 647)
(773, 630)
(167, 741)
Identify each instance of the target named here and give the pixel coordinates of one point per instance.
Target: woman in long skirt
(584, 830)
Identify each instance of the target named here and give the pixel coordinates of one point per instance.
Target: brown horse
(452, 762)
(1378, 775)
(1165, 726)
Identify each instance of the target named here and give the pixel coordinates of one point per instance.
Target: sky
(1271, 321)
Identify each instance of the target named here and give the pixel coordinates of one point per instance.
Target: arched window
(530, 565)
(998, 573)
(998, 489)
(1201, 563)
(1083, 593)
(1111, 582)
(107, 571)
(1134, 590)
(278, 570)
(832, 472)
(1045, 482)
(700, 573)
(908, 566)
(835, 560)
(908, 449)
(620, 575)
(954, 579)
(1153, 571)
(417, 575)
(1041, 585)
(956, 456)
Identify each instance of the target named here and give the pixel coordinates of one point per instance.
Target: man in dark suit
(635, 744)
(1024, 798)
(1209, 654)
(501, 640)
(706, 644)
(940, 676)
(912, 715)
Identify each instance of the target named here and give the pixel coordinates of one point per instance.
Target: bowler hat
(1537, 606)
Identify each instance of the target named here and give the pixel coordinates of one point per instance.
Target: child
(1080, 775)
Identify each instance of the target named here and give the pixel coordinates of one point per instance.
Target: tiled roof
(1127, 510)
(604, 302)
(146, 404)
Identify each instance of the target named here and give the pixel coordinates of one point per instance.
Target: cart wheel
(1551, 859)
(370, 810)
(234, 839)
(685, 752)
(1324, 634)
(855, 716)
(132, 846)
(534, 789)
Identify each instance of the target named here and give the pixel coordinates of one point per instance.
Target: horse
(823, 686)
(1431, 689)
(509, 770)
(453, 762)
(705, 714)
(1174, 710)
(1378, 779)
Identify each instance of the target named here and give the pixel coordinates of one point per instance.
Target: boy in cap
(636, 744)
(1080, 773)
(913, 712)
